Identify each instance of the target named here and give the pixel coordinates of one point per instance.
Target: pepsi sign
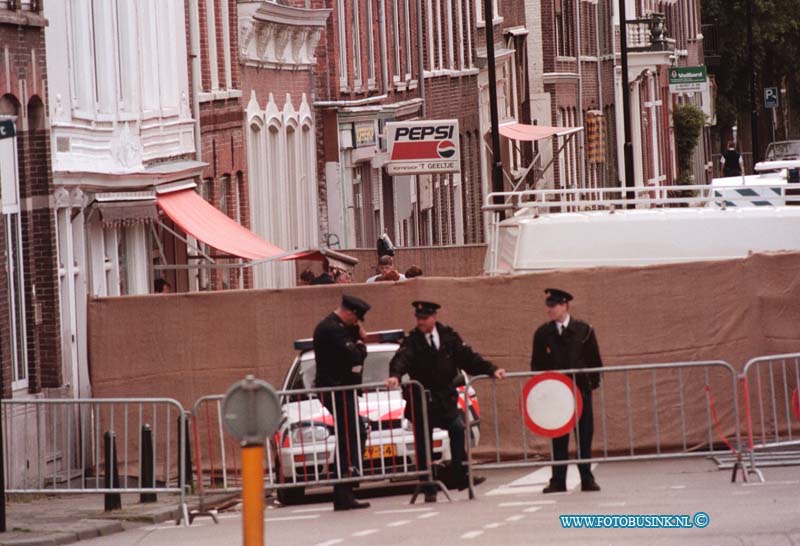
(423, 147)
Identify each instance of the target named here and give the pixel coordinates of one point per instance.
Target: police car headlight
(310, 435)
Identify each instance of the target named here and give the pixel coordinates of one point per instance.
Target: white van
(565, 229)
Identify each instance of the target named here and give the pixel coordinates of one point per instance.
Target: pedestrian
(162, 286)
(342, 276)
(433, 354)
(413, 271)
(731, 161)
(564, 343)
(385, 264)
(306, 277)
(327, 276)
(340, 352)
(390, 276)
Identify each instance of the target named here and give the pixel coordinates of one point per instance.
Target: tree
(688, 121)
(776, 50)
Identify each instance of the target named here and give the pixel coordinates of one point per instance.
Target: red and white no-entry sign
(550, 404)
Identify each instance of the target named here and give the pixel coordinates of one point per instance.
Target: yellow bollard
(253, 495)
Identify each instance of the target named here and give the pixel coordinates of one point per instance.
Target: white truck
(576, 228)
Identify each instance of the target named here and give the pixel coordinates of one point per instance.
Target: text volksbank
(634, 521)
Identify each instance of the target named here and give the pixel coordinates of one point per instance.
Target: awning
(125, 208)
(198, 218)
(531, 133)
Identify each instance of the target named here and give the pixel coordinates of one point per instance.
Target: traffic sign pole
(253, 495)
(251, 412)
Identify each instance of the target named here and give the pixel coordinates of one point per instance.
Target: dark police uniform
(576, 347)
(436, 370)
(340, 355)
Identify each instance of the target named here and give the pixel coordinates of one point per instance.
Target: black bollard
(113, 501)
(185, 469)
(147, 465)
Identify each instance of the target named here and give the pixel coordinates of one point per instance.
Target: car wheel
(293, 495)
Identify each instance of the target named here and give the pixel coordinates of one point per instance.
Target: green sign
(688, 78)
(7, 129)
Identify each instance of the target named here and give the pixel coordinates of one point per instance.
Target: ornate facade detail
(127, 148)
(277, 36)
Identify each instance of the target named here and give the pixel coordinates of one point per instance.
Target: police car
(305, 444)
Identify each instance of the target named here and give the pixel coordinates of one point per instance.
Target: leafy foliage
(688, 121)
(775, 52)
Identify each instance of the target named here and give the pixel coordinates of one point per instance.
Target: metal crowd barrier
(303, 453)
(103, 445)
(679, 419)
(771, 388)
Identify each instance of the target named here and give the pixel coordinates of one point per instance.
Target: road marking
(493, 525)
(330, 542)
(292, 518)
(398, 523)
(365, 532)
(762, 484)
(677, 487)
(472, 534)
(532, 509)
(314, 509)
(524, 503)
(403, 511)
(428, 515)
(228, 516)
(515, 518)
(539, 476)
(534, 483)
(611, 504)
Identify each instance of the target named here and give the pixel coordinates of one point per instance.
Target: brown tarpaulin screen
(184, 346)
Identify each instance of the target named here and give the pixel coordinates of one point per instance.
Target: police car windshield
(376, 369)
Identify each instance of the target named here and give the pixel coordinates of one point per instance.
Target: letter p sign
(770, 97)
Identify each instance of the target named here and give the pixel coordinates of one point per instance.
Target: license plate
(377, 452)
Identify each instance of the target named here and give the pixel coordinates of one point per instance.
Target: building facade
(277, 55)
(30, 350)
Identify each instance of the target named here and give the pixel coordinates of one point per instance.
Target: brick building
(276, 60)
(581, 77)
(30, 350)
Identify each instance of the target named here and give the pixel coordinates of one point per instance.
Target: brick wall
(23, 88)
(454, 261)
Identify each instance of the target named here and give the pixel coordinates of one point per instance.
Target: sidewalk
(49, 521)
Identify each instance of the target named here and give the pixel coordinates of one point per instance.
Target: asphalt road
(510, 510)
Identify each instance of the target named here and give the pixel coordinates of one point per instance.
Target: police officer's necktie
(431, 342)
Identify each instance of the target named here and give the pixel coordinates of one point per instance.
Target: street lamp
(627, 147)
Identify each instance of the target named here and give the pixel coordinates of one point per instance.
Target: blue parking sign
(770, 97)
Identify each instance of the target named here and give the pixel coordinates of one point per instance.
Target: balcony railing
(649, 33)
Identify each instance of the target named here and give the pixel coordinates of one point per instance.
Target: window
(9, 186)
(342, 44)
(211, 36)
(409, 67)
(451, 62)
(370, 47)
(479, 15)
(565, 27)
(395, 21)
(356, 29)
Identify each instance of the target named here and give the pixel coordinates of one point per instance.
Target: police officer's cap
(556, 296)
(356, 305)
(425, 308)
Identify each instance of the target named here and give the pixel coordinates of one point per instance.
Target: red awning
(336, 259)
(530, 133)
(198, 218)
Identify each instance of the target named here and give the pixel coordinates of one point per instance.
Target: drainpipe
(582, 138)
(420, 59)
(194, 55)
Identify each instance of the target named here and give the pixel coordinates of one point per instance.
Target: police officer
(565, 343)
(433, 354)
(340, 352)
